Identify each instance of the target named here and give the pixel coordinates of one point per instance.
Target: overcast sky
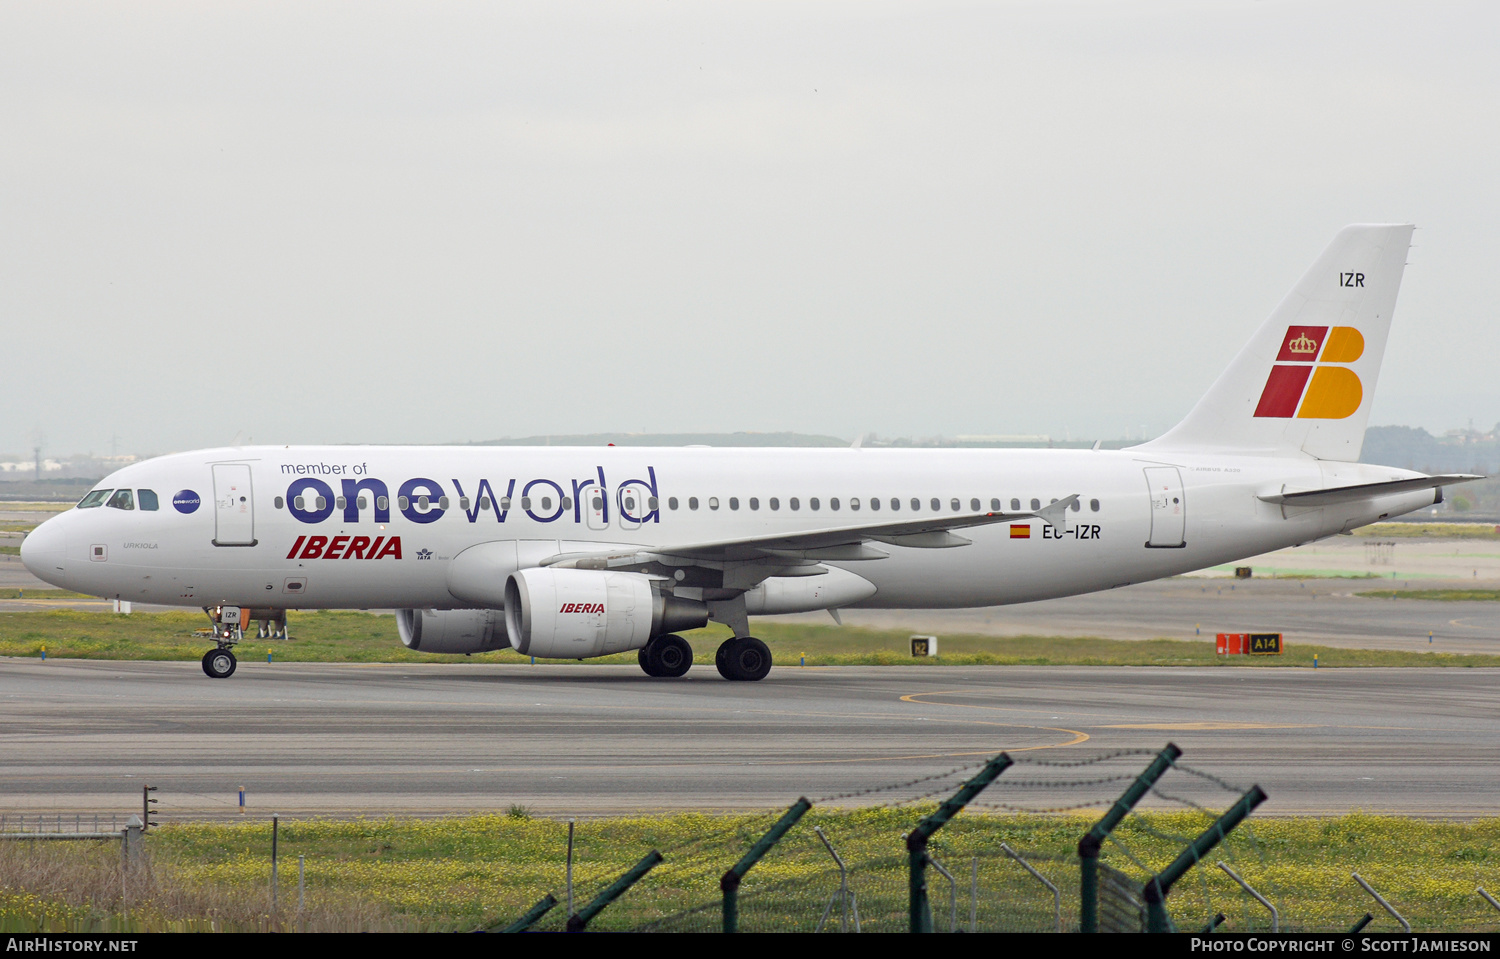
(363, 222)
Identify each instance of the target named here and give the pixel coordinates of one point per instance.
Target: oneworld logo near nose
(186, 501)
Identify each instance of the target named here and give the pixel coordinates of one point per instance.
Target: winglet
(859, 442)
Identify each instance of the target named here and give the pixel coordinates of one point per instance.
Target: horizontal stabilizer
(1350, 494)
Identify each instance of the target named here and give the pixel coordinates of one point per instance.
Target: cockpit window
(147, 499)
(121, 500)
(96, 498)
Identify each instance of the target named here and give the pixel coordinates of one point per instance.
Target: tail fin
(1306, 379)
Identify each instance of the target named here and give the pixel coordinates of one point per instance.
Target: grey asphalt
(339, 740)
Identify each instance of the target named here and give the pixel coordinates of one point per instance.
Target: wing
(748, 560)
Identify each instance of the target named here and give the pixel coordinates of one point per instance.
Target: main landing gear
(743, 659)
(219, 663)
(666, 656)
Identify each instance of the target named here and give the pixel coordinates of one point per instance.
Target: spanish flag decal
(1020, 531)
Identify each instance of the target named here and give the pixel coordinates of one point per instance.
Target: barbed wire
(891, 787)
(1027, 760)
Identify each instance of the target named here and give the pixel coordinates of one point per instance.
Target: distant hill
(1459, 451)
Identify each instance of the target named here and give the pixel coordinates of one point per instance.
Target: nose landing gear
(219, 663)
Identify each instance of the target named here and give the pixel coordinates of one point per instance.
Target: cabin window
(505, 503)
(995, 504)
(547, 504)
(484, 502)
(339, 502)
(382, 503)
(146, 499)
(692, 502)
(651, 503)
(954, 504)
(362, 503)
(754, 503)
(1094, 505)
(671, 503)
(278, 502)
(854, 502)
(123, 499)
(1036, 504)
(814, 503)
(96, 498)
(937, 504)
(526, 502)
(974, 505)
(713, 502)
(874, 502)
(833, 503)
(402, 503)
(1015, 503)
(567, 502)
(775, 503)
(422, 502)
(734, 502)
(916, 504)
(598, 503)
(895, 503)
(463, 503)
(299, 503)
(442, 502)
(320, 503)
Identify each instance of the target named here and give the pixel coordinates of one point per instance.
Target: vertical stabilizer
(1306, 379)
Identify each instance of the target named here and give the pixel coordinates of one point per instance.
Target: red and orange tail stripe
(1302, 384)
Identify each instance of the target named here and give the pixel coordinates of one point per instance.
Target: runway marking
(1078, 737)
(1189, 727)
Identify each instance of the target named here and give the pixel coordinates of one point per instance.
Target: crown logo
(1303, 344)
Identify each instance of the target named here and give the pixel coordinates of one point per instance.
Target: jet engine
(578, 613)
(452, 630)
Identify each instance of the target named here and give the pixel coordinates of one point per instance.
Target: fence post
(542, 907)
(1093, 840)
(1056, 893)
(729, 883)
(1158, 886)
(919, 919)
(1275, 915)
(579, 921)
(132, 846)
(1406, 926)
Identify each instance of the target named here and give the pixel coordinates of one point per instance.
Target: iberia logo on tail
(1306, 381)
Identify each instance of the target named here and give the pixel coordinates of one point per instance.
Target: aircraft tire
(219, 663)
(744, 660)
(670, 656)
(644, 657)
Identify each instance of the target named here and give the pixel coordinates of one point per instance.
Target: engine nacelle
(452, 630)
(578, 613)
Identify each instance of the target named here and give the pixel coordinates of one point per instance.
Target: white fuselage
(249, 543)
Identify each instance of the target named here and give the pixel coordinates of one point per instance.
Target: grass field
(462, 873)
(1439, 595)
(1429, 531)
(354, 637)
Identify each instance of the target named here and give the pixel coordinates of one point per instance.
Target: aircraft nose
(44, 552)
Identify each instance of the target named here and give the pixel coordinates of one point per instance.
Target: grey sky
(421, 223)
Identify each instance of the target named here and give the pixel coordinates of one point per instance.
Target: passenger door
(234, 505)
(1168, 507)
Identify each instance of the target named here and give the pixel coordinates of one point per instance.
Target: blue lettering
(411, 490)
(314, 515)
(485, 490)
(526, 491)
(377, 492)
(655, 515)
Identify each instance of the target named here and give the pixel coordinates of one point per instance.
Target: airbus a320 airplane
(581, 552)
